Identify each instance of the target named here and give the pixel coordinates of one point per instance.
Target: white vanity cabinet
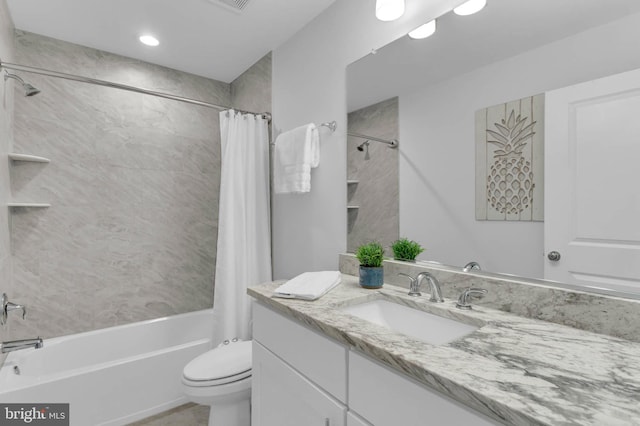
(299, 377)
(302, 378)
(283, 397)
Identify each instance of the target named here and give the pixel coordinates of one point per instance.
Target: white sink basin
(412, 322)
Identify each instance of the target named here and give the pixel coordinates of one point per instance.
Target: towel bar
(332, 125)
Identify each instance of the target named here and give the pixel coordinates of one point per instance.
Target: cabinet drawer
(321, 360)
(413, 404)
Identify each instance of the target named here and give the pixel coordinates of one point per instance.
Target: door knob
(554, 256)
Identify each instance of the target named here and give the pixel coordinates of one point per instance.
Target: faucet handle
(13, 306)
(414, 285)
(6, 307)
(464, 299)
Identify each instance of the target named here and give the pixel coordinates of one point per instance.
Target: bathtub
(112, 376)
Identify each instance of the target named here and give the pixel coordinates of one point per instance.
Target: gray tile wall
(6, 119)
(376, 192)
(251, 91)
(133, 185)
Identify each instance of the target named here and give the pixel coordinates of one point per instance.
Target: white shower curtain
(244, 235)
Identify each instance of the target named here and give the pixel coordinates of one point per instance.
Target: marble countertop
(519, 370)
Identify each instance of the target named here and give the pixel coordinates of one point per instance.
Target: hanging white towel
(296, 153)
(309, 285)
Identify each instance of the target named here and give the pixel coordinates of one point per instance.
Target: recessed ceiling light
(423, 31)
(149, 40)
(470, 7)
(389, 10)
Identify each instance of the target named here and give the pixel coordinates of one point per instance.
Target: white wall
(6, 139)
(309, 85)
(437, 192)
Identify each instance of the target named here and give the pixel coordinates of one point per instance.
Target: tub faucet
(414, 286)
(471, 266)
(16, 345)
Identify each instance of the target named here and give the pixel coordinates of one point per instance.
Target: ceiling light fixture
(149, 40)
(389, 10)
(424, 30)
(470, 7)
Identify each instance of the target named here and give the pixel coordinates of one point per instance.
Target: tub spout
(16, 345)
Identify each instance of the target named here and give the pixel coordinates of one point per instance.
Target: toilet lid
(225, 361)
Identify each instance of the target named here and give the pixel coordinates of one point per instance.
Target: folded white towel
(296, 153)
(309, 285)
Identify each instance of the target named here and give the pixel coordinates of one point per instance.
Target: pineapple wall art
(509, 161)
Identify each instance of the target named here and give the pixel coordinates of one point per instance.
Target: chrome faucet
(464, 299)
(414, 286)
(16, 345)
(436, 293)
(6, 307)
(471, 266)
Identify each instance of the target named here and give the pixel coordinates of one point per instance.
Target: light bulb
(470, 7)
(149, 40)
(424, 30)
(389, 10)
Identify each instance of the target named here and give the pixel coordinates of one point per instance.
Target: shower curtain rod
(393, 143)
(42, 71)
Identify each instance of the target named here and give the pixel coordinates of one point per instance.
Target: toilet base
(230, 405)
(231, 414)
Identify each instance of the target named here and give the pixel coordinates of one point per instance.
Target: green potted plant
(370, 256)
(407, 250)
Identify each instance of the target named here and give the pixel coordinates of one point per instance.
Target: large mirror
(426, 93)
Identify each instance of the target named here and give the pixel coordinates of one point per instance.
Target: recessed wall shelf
(25, 157)
(353, 207)
(352, 181)
(31, 205)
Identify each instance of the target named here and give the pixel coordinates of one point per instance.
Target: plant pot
(371, 276)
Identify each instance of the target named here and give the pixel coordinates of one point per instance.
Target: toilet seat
(226, 364)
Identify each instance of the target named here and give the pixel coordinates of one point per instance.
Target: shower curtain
(244, 235)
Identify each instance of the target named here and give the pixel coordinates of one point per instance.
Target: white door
(592, 183)
(280, 396)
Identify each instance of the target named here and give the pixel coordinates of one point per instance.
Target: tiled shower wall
(376, 193)
(133, 186)
(251, 91)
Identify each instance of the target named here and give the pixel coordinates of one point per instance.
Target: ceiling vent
(234, 5)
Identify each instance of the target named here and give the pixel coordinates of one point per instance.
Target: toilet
(221, 379)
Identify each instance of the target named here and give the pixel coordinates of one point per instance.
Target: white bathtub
(112, 376)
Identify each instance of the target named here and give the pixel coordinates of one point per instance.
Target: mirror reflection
(372, 175)
(434, 86)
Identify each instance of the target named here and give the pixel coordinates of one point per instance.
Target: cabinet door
(280, 396)
(319, 359)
